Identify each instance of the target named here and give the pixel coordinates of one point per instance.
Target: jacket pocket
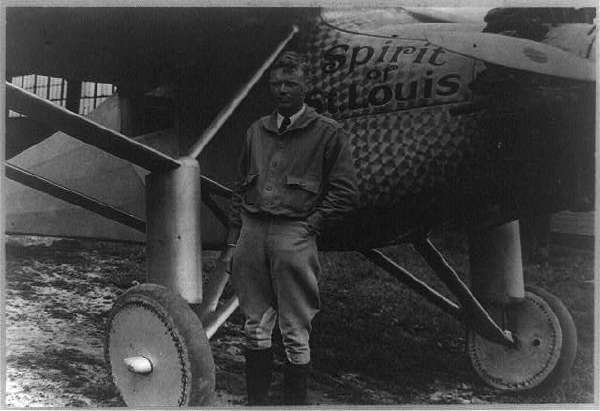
(302, 193)
(249, 187)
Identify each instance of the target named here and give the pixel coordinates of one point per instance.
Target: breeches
(275, 275)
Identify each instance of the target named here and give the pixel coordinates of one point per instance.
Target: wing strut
(228, 110)
(86, 130)
(63, 193)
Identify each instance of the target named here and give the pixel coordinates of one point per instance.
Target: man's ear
(305, 80)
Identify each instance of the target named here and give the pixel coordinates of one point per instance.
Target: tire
(545, 351)
(149, 321)
(569, 332)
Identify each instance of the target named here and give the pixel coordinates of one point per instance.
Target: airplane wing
(145, 47)
(392, 22)
(448, 14)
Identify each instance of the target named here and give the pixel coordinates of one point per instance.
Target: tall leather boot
(259, 371)
(295, 384)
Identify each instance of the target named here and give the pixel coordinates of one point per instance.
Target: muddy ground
(374, 343)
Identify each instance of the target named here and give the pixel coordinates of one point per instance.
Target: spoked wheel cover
(540, 341)
(149, 321)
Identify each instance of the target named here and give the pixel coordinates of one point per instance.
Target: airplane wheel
(545, 351)
(158, 351)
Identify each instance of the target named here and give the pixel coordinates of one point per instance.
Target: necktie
(284, 124)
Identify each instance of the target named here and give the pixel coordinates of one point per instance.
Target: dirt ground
(374, 343)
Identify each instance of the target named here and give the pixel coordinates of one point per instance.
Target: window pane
(55, 89)
(28, 82)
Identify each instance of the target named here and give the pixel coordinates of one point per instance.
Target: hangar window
(55, 89)
(93, 94)
(50, 88)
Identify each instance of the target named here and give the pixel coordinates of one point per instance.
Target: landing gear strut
(544, 332)
(157, 349)
(519, 338)
(156, 344)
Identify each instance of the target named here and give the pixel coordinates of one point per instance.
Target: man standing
(296, 177)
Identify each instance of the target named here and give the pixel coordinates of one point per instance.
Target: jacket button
(268, 188)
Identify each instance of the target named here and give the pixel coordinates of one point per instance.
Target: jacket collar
(309, 115)
(293, 117)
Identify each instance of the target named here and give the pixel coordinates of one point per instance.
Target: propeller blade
(516, 53)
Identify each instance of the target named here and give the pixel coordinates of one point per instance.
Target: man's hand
(226, 258)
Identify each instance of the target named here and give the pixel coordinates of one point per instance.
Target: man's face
(288, 88)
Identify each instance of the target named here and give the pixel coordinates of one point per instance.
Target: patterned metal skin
(418, 163)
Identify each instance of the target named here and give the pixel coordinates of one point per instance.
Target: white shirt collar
(293, 117)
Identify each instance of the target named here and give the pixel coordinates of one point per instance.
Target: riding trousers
(275, 275)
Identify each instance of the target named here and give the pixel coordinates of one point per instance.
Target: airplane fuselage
(419, 161)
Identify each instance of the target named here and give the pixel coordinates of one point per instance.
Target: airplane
(471, 123)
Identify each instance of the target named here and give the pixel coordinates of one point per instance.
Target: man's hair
(291, 61)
